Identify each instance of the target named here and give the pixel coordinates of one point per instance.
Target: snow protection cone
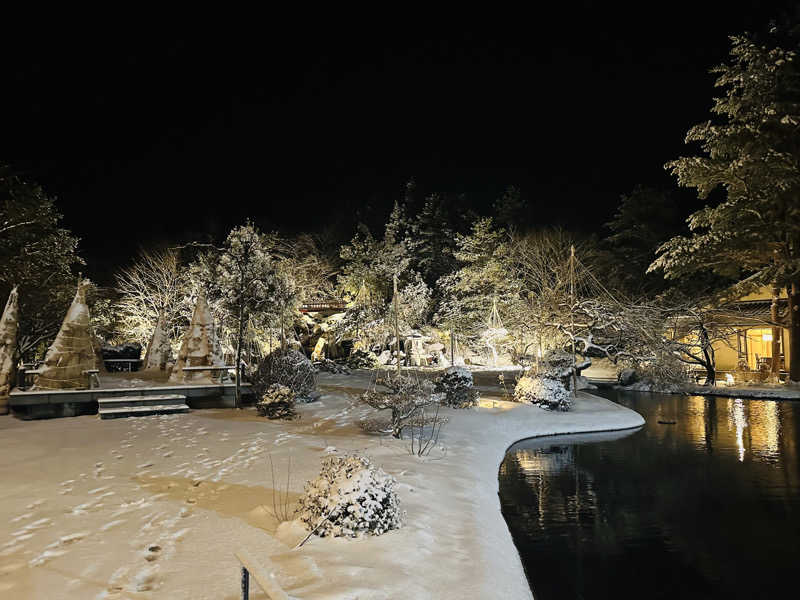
(72, 353)
(158, 350)
(197, 347)
(9, 324)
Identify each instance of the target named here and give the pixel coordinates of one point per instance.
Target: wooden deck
(37, 404)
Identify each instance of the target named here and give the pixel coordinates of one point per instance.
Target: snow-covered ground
(154, 507)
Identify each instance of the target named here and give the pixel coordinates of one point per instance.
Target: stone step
(141, 411)
(110, 407)
(164, 399)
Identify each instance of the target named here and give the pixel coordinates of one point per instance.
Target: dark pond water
(706, 508)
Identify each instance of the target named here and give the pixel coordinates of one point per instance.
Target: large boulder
(627, 377)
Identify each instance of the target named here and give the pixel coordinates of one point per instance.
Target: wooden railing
(319, 306)
(265, 579)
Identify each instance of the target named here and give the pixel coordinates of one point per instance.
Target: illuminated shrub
(456, 385)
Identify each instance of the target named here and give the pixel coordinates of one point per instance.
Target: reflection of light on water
(765, 428)
(696, 420)
(554, 461)
(736, 410)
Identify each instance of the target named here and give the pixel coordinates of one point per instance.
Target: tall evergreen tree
(751, 151)
(38, 255)
(432, 243)
(644, 220)
(484, 276)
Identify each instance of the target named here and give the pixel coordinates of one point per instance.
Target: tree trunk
(774, 316)
(238, 397)
(794, 332)
(396, 325)
(708, 353)
(711, 375)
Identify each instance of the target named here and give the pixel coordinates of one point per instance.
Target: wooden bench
(22, 377)
(129, 361)
(223, 370)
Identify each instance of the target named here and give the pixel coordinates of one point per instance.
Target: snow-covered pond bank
(156, 506)
(607, 515)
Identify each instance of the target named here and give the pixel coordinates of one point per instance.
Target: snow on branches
(351, 497)
(405, 402)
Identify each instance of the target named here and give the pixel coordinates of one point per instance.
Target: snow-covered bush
(277, 402)
(326, 365)
(548, 386)
(362, 359)
(286, 367)
(544, 391)
(456, 385)
(350, 497)
(556, 364)
(404, 402)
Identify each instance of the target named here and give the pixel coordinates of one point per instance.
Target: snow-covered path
(154, 507)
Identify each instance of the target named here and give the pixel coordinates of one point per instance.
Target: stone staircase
(111, 407)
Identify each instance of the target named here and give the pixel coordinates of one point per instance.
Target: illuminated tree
(154, 286)
(246, 280)
(751, 151)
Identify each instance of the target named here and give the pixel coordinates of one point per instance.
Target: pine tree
(751, 152)
(246, 278)
(432, 243)
(37, 255)
(483, 275)
(644, 220)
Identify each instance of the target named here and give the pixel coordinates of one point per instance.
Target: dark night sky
(146, 136)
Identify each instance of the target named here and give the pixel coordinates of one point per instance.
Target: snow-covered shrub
(556, 364)
(326, 365)
(362, 359)
(548, 386)
(277, 402)
(456, 385)
(544, 391)
(286, 367)
(350, 497)
(404, 402)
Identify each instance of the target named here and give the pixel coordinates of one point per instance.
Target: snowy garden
(338, 408)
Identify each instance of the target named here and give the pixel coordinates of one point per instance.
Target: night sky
(148, 135)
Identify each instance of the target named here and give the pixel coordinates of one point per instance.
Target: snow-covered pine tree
(751, 150)
(245, 276)
(36, 255)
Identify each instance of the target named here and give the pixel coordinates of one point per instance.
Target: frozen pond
(708, 507)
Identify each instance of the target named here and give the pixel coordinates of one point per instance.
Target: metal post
(245, 584)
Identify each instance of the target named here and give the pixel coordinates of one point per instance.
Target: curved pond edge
(491, 439)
